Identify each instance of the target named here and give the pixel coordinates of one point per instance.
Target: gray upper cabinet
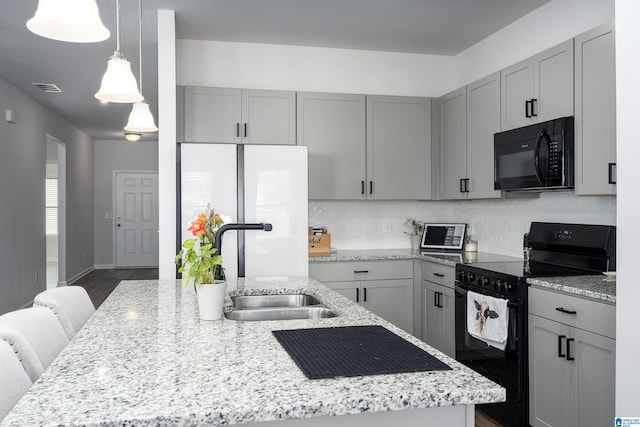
(483, 121)
(333, 127)
(374, 147)
(398, 148)
(539, 88)
(469, 118)
(453, 144)
(268, 117)
(211, 114)
(595, 115)
(239, 116)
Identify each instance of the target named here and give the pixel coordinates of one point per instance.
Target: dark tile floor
(100, 283)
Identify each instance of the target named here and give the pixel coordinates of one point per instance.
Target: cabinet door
(398, 148)
(548, 373)
(553, 82)
(483, 120)
(350, 290)
(595, 116)
(448, 341)
(268, 117)
(212, 114)
(333, 127)
(431, 315)
(516, 88)
(592, 387)
(453, 145)
(391, 300)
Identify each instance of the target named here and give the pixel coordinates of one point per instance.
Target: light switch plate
(386, 226)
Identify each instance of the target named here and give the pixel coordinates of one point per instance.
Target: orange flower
(197, 227)
(216, 218)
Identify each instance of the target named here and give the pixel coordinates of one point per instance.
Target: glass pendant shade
(141, 119)
(118, 83)
(75, 21)
(133, 137)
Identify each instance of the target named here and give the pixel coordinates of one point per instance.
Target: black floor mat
(354, 350)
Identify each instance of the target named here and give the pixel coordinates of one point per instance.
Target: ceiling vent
(48, 87)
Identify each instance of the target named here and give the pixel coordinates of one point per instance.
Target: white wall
(110, 156)
(497, 225)
(545, 27)
(265, 66)
(22, 172)
(628, 288)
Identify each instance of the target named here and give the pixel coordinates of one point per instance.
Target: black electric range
(554, 250)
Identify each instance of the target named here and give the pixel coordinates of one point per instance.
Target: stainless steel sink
(264, 301)
(277, 307)
(280, 313)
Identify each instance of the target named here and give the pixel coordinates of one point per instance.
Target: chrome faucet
(219, 272)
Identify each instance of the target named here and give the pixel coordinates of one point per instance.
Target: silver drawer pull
(564, 310)
(360, 271)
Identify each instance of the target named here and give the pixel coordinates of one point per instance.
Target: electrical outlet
(36, 277)
(386, 226)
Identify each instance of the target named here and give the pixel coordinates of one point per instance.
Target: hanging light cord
(140, 39)
(118, 25)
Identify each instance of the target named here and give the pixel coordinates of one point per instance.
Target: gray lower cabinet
(383, 287)
(539, 88)
(469, 118)
(237, 116)
(595, 115)
(437, 302)
(571, 360)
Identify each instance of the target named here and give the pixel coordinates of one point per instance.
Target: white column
(167, 141)
(628, 206)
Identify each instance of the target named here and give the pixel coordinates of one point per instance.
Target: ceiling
(442, 27)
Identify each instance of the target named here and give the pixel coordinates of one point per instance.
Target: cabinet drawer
(593, 316)
(438, 273)
(362, 270)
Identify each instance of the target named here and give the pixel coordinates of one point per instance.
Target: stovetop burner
(522, 269)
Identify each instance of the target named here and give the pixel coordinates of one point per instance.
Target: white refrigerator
(249, 184)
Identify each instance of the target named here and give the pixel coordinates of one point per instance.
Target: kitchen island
(145, 358)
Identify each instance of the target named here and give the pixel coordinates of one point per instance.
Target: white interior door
(208, 176)
(136, 220)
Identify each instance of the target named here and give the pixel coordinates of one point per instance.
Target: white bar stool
(36, 336)
(71, 304)
(14, 381)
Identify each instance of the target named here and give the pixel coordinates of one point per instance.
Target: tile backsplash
(497, 225)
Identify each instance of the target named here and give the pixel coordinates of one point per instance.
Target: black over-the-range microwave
(535, 157)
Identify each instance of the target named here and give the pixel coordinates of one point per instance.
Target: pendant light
(118, 82)
(140, 119)
(75, 21)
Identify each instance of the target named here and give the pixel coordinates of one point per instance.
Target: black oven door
(506, 367)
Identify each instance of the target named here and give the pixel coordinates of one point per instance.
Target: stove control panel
(496, 283)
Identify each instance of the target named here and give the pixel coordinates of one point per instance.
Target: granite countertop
(598, 287)
(447, 258)
(145, 358)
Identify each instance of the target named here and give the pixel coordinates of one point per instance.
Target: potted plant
(198, 260)
(414, 231)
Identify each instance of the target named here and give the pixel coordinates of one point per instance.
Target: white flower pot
(415, 241)
(211, 300)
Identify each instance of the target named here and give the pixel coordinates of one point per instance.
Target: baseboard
(104, 266)
(78, 276)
